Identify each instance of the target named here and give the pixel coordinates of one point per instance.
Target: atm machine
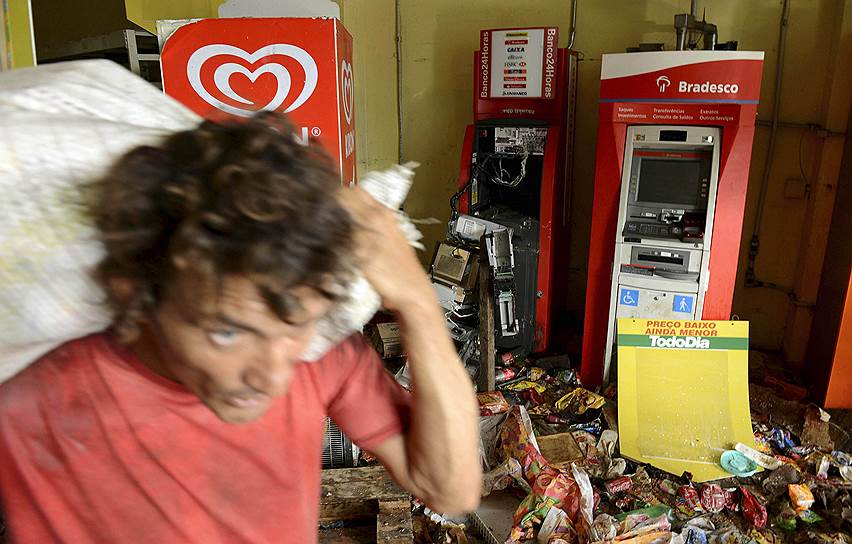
(666, 209)
(514, 180)
(675, 132)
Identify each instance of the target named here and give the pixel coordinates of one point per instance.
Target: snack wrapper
(492, 403)
(800, 496)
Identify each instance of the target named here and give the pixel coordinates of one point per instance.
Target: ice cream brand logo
(346, 90)
(686, 342)
(221, 77)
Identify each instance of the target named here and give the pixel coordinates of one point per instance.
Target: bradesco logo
(705, 87)
(202, 83)
(683, 342)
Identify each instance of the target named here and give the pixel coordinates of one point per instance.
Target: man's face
(228, 347)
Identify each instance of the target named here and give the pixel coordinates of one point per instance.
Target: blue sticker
(683, 304)
(629, 297)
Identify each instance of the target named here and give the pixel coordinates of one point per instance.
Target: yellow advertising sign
(683, 393)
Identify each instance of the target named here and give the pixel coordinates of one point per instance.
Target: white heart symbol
(222, 75)
(348, 94)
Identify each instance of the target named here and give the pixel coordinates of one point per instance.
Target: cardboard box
(559, 448)
(386, 339)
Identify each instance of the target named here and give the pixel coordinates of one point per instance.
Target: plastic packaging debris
(593, 427)
(523, 385)
(693, 535)
(649, 512)
(754, 512)
(667, 486)
(514, 357)
(822, 467)
(587, 499)
(786, 519)
(502, 476)
(782, 439)
(604, 527)
(759, 458)
(492, 403)
(619, 485)
(738, 464)
(504, 374)
(713, 498)
(580, 400)
(690, 496)
(551, 487)
(639, 524)
(800, 496)
(809, 516)
(732, 501)
(556, 524)
(568, 377)
(841, 458)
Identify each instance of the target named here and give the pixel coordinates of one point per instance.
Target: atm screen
(674, 181)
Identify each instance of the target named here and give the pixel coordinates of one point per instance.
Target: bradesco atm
(674, 143)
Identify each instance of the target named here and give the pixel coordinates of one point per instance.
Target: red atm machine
(675, 132)
(515, 177)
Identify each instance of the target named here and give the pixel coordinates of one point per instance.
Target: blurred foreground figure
(194, 417)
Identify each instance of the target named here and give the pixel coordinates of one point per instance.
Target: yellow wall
(372, 24)
(18, 34)
(438, 40)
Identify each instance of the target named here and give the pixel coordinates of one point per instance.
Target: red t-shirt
(95, 447)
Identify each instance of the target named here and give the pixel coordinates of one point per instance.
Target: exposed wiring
(518, 179)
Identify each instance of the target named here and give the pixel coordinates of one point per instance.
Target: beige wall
(438, 40)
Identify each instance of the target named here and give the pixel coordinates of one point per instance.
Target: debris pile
(554, 445)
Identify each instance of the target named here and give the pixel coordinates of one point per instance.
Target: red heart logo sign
(265, 66)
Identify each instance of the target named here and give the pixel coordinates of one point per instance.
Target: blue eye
(223, 337)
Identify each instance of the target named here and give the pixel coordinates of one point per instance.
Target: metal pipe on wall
(776, 107)
(573, 32)
(399, 83)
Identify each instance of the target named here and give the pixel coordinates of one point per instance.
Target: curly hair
(224, 199)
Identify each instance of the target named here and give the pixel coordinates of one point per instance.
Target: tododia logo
(226, 77)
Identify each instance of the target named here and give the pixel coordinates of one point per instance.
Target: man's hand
(438, 458)
(383, 253)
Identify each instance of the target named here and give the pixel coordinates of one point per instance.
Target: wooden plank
(359, 484)
(487, 348)
(393, 524)
(335, 511)
(347, 535)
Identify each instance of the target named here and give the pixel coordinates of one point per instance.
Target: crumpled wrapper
(551, 487)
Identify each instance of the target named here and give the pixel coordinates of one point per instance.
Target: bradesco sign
(235, 68)
(729, 76)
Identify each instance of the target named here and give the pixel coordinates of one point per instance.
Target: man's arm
(437, 460)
